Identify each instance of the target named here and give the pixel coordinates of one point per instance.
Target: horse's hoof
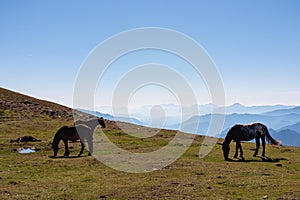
(254, 155)
(235, 156)
(89, 154)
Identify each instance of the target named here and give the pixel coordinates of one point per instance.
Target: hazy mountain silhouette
(295, 110)
(294, 127)
(288, 137)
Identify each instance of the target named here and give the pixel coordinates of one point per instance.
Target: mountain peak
(236, 105)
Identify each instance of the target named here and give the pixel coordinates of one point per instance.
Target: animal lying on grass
(248, 132)
(25, 139)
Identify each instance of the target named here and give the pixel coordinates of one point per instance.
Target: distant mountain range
(288, 137)
(113, 118)
(172, 109)
(295, 110)
(241, 109)
(294, 127)
(282, 120)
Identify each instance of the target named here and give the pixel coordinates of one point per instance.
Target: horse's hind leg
(82, 148)
(257, 146)
(236, 149)
(263, 142)
(67, 152)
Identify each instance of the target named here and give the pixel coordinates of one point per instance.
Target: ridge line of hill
(17, 106)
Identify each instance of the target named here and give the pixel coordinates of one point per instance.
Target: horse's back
(240, 132)
(67, 133)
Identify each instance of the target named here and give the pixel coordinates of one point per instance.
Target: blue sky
(254, 44)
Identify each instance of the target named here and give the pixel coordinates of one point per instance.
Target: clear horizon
(255, 46)
(97, 106)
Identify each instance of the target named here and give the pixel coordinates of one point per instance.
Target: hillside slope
(36, 176)
(16, 106)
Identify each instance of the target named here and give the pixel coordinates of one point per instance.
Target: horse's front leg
(239, 146)
(67, 152)
(257, 146)
(91, 149)
(82, 148)
(55, 150)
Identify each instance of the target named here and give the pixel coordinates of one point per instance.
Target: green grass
(36, 176)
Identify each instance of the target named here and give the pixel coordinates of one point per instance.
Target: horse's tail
(270, 139)
(57, 137)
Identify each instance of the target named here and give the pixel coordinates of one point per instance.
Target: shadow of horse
(59, 157)
(263, 159)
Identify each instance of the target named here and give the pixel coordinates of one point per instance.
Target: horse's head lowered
(226, 150)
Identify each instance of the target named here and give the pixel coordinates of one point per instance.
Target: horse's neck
(228, 139)
(92, 124)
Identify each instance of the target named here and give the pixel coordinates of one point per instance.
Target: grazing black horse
(241, 132)
(83, 130)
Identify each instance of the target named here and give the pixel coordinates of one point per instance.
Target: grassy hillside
(36, 176)
(15, 106)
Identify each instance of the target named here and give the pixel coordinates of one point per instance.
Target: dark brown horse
(66, 133)
(249, 132)
(83, 130)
